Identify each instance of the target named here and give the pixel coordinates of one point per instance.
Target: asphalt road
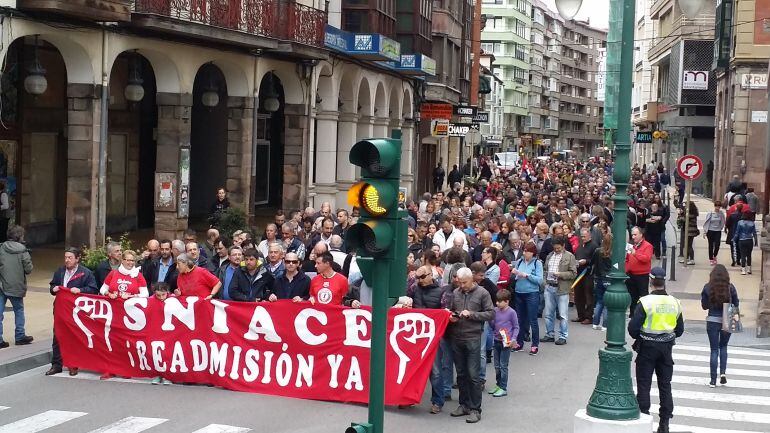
(545, 391)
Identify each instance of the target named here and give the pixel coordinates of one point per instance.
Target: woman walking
(745, 238)
(712, 228)
(717, 292)
(602, 268)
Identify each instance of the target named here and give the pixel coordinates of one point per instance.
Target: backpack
(542, 277)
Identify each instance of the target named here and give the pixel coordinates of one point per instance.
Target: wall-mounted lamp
(271, 104)
(35, 83)
(210, 97)
(134, 91)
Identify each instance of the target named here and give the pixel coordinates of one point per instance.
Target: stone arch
(394, 105)
(326, 88)
(407, 107)
(165, 68)
(76, 59)
(294, 92)
(347, 95)
(380, 101)
(364, 99)
(235, 77)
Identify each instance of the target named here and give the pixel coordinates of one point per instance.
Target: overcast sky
(595, 10)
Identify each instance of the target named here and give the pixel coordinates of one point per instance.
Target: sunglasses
(291, 262)
(420, 277)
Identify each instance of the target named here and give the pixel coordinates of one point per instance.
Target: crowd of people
(498, 252)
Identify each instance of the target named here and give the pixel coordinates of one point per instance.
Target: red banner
(282, 348)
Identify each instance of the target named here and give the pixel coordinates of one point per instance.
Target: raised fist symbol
(410, 327)
(96, 309)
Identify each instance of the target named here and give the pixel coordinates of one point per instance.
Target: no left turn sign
(689, 167)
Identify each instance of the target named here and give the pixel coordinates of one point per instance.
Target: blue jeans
(718, 340)
(437, 387)
(447, 367)
(18, 314)
(600, 311)
(484, 345)
(527, 306)
(501, 356)
(554, 301)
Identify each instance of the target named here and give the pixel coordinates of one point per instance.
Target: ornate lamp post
(613, 396)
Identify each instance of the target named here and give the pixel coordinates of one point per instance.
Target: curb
(28, 362)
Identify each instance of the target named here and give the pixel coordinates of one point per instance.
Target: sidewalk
(691, 279)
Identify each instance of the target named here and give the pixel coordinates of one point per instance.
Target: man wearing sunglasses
(428, 295)
(294, 284)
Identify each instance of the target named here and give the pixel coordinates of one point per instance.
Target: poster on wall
(165, 192)
(8, 150)
(184, 182)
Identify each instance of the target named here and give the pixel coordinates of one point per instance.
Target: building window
(356, 22)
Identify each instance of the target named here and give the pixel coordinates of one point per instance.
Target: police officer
(656, 323)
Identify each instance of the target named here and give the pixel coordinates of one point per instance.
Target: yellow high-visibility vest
(662, 313)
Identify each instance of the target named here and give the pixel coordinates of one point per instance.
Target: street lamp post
(613, 397)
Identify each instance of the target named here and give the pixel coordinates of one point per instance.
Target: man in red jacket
(638, 265)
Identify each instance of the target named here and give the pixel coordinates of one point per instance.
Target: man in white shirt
(445, 237)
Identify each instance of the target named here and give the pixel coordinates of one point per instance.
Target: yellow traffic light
(375, 198)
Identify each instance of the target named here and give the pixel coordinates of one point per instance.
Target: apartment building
(644, 108)
(742, 49)
(681, 56)
(581, 113)
(507, 36)
(491, 92)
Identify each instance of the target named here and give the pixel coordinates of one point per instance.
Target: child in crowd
(506, 328)
(160, 292)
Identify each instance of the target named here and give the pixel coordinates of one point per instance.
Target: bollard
(673, 263)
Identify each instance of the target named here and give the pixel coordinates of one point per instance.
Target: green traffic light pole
(613, 396)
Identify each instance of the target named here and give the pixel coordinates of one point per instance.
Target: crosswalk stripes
(41, 421)
(132, 424)
(740, 406)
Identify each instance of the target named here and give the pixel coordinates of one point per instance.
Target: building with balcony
(580, 124)
(681, 55)
(137, 123)
(491, 97)
(507, 35)
(742, 50)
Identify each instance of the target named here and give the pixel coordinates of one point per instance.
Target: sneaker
(460, 411)
(748, 271)
(4, 344)
(743, 270)
(156, 380)
(604, 328)
(434, 409)
(473, 417)
(561, 342)
(533, 351)
(517, 349)
(500, 393)
(712, 385)
(547, 339)
(596, 327)
(681, 260)
(722, 379)
(494, 390)
(23, 341)
(73, 371)
(690, 262)
(167, 382)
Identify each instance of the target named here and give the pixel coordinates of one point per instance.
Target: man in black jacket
(114, 256)
(78, 279)
(162, 269)
(252, 282)
(428, 295)
(293, 284)
(584, 288)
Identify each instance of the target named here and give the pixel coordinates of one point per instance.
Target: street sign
(481, 117)
(465, 111)
(644, 137)
(430, 111)
(460, 129)
(689, 167)
(473, 137)
(439, 127)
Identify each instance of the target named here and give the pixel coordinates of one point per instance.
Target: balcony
(681, 28)
(89, 10)
(236, 21)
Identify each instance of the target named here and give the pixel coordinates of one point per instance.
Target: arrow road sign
(689, 167)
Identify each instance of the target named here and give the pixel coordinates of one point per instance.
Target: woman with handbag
(717, 292)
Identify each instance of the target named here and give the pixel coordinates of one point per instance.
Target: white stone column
(381, 127)
(325, 158)
(407, 153)
(347, 136)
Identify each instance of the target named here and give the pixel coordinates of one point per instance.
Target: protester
(252, 282)
(715, 294)
(114, 253)
(194, 280)
(160, 294)
(602, 263)
(271, 235)
(228, 274)
(15, 265)
(584, 284)
(638, 265)
(528, 276)
(505, 328)
(328, 286)
(471, 307)
(745, 238)
(712, 228)
(428, 295)
(293, 284)
(560, 271)
(77, 279)
(126, 281)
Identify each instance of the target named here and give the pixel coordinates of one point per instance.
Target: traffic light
(379, 239)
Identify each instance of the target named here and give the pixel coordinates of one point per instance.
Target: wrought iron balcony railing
(279, 19)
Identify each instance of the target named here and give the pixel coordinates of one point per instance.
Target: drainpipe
(101, 190)
(254, 120)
